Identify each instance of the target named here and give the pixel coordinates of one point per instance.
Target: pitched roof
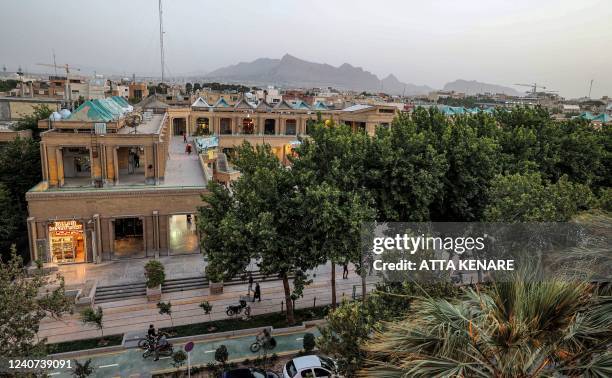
(284, 105)
(319, 106)
(263, 105)
(200, 103)
(152, 102)
(243, 104)
(104, 110)
(300, 105)
(221, 103)
(603, 118)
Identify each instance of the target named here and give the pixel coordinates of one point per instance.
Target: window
(290, 127)
(307, 373)
(388, 111)
(291, 369)
(321, 373)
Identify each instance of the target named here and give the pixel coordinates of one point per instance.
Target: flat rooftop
(151, 126)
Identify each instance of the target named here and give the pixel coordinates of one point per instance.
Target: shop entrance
(183, 234)
(179, 126)
(67, 242)
(129, 238)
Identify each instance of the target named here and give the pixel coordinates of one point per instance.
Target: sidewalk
(137, 314)
(130, 362)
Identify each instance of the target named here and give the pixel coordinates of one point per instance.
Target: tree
(260, 221)
(20, 170)
(178, 358)
(309, 342)
(30, 122)
(95, 318)
(24, 301)
(154, 273)
(188, 88)
(509, 329)
(207, 308)
(82, 370)
(529, 198)
(165, 308)
(221, 355)
(331, 165)
(197, 87)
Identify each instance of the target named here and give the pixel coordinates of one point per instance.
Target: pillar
(156, 243)
(32, 236)
(97, 242)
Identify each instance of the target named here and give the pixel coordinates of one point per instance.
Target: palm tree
(511, 329)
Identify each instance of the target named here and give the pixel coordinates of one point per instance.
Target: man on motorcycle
(161, 344)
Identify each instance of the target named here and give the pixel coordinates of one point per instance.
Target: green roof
(299, 104)
(104, 110)
(603, 117)
(319, 106)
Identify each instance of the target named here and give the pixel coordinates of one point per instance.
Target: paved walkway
(183, 169)
(136, 314)
(130, 362)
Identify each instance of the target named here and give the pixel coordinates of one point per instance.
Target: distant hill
(292, 71)
(473, 87)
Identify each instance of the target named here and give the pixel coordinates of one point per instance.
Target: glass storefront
(183, 234)
(67, 242)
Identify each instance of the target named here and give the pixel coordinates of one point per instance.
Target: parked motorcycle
(166, 351)
(232, 310)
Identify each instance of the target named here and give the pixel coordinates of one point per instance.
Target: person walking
(257, 293)
(184, 134)
(188, 149)
(345, 271)
(250, 283)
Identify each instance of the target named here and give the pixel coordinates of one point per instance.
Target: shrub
(206, 307)
(154, 273)
(221, 354)
(213, 273)
(178, 358)
(309, 342)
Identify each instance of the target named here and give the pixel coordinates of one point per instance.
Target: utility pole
(161, 40)
(590, 88)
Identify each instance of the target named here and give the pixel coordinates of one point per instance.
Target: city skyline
(559, 44)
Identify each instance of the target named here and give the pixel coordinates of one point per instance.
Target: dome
(64, 113)
(55, 116)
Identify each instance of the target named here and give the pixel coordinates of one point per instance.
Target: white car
(310, 367)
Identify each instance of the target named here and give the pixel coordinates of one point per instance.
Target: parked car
(249, 373)
(310, 367)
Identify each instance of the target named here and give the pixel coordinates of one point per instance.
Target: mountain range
(290, 71)
(473, 87)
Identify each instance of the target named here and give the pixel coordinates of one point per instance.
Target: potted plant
(215, 279)
(155, 275)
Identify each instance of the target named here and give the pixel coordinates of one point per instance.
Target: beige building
(115, 185)
(118, 183)
(278, 125)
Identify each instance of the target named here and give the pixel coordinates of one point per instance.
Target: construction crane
(67, 89)
(534, 88)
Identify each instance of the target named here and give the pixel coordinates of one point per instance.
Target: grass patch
(275, 319)
(71, 346)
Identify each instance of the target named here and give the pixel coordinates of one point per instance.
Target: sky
(562, 44)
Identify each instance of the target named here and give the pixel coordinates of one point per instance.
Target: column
(97, 243)
(156, 243)
(116, 165)
(59, 161)
(31, 222)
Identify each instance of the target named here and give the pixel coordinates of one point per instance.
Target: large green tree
(262, 215)
(24, 301)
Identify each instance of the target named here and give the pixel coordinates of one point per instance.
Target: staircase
(113, 293)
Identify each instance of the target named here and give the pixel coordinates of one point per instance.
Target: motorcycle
(166, 351)
(232, 310)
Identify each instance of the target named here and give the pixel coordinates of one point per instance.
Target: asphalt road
(130, 363)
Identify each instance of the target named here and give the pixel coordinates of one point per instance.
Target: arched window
(203, 126)
(290, 127)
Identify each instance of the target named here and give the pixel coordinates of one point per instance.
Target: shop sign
(65, 227)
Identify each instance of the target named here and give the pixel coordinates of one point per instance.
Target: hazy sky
(562, 44)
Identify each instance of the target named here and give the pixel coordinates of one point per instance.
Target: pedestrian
(151, 332)
(184, 134)
(188, 149)
(250, 282)
(136, 160)
(257, 294)
(345, 271)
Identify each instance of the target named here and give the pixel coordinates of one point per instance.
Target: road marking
(105, 366)
(56, 373)
(210, 351)
(300, 338)
(163, 358)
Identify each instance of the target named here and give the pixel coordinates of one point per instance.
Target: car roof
(306, 362)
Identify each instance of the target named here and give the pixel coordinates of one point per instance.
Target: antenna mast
(590, 87)
(161, 40)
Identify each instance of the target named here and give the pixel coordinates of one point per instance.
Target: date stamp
(8, 365)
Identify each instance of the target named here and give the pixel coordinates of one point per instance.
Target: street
(130, 362)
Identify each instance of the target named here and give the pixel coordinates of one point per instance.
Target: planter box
(154, 294)
(215, 288)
